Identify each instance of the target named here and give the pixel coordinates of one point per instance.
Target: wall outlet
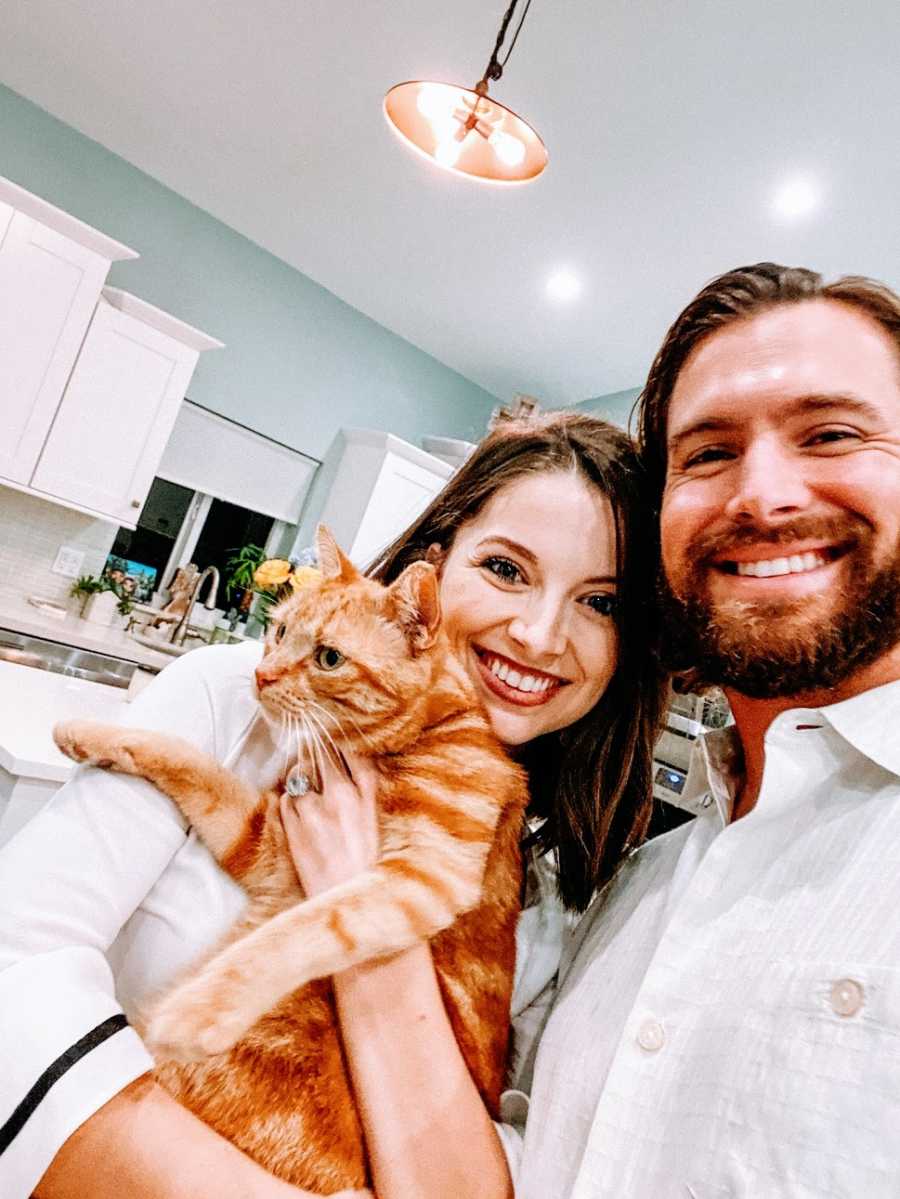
(69, 562)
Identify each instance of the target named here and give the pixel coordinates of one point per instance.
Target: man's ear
(415, 604)
(333, 563)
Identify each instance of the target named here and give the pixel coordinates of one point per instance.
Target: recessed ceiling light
(563, 286)
(796, 197)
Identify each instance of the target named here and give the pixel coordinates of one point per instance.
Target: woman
(546, 557)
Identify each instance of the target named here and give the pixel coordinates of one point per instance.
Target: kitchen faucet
(179, 633)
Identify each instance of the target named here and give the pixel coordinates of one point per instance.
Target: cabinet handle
(135, 503)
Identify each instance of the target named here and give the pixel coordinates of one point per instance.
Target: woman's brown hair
(591, 783)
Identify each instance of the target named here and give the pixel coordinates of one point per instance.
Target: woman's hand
(333, 834)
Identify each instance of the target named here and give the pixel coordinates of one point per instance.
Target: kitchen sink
(65, 659)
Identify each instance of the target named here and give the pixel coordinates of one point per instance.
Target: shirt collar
(869, 722)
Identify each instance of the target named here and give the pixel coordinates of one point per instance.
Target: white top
(104, 897)
(728, 1020)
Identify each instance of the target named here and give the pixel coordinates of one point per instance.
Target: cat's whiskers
(339, 725)
(334, 750)
(315, 757)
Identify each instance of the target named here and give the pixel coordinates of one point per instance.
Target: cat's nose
(265, 676)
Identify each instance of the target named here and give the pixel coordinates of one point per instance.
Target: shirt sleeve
(542, 931)
(69, 880)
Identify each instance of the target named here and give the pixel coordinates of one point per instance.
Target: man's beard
(767, 650)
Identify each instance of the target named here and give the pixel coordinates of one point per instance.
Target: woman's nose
(540, 628)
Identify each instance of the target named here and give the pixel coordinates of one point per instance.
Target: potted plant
(242, 566)
(83, 588)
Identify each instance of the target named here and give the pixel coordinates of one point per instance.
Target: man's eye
(603, 604)
(831, 437)
(707, 456)
(327, 657)
(503, 568)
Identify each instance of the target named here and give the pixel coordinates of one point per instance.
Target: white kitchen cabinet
(381, 485)
(118, 408)
(52, 268)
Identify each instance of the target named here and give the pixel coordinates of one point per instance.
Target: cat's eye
(327, 657)
(280, 632)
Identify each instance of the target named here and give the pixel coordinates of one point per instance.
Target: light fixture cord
(494, 69)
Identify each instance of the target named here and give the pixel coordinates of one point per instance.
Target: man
(728, 1023)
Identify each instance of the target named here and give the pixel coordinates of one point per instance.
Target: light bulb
(510, 150)
(446, 152)
(796, 197)
(563, 286)
(434, 102)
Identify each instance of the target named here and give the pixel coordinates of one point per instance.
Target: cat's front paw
(87, 741)
(192, 1023)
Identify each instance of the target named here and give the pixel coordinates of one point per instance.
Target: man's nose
(769, 483)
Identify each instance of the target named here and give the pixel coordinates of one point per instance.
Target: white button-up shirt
(728, 1019)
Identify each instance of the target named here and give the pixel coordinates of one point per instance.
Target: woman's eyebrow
(523, 551)
(515, 546)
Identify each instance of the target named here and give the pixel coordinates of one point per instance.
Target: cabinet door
(48, 288)
(402, 491)
(116, 416)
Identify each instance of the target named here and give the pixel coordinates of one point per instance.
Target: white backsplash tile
(31, 532)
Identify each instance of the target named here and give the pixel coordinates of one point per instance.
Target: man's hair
(736, 296)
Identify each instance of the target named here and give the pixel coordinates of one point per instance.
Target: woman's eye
(280, 632)
(503, 568)
(327, 657)
(604, 605)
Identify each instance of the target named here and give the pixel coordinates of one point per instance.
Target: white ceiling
(669, 125)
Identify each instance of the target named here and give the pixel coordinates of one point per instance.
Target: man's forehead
(758, 367)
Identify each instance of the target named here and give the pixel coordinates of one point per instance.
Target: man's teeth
(514, 678)
(796, 564)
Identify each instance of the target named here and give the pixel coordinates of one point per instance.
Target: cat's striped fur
(249, 1040)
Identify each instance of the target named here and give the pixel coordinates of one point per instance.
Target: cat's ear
(333, 562)
(415, 604)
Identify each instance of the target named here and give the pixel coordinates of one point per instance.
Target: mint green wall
(299, 362)
(615, 407)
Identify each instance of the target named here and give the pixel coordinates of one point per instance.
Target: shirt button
(847, 996)
(651, 1036)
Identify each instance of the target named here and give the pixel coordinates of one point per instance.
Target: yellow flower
(272, 573)
(305, 576)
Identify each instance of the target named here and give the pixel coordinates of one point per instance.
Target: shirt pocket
(819, 1052)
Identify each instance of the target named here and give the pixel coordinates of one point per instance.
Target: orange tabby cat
(370, 668)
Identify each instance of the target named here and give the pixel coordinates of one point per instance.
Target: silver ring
(297, 784)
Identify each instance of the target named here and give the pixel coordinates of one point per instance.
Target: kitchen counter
(31, 767)
(17, 614)
(31, 702)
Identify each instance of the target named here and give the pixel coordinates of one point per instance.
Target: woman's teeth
(796, 564)
(516, 679)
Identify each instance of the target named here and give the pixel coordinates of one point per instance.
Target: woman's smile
(515, 682)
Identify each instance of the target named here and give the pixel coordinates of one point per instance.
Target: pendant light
(462, 129)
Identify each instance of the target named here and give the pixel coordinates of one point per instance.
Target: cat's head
(351, 658)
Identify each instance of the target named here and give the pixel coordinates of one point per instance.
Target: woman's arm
(144, 1145)
(69, 880)
(427, 1130)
